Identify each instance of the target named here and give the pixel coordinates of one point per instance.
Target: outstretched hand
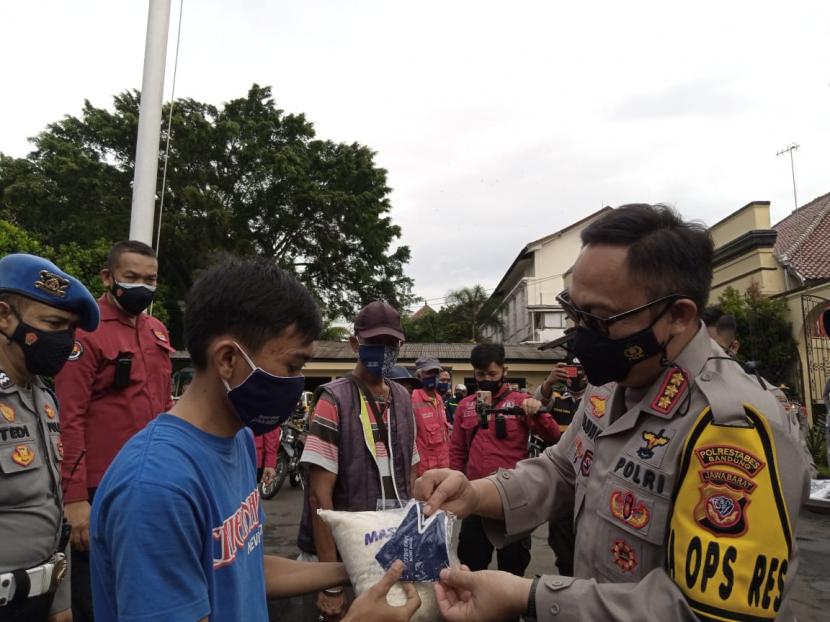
(465, 596)
(371, 606)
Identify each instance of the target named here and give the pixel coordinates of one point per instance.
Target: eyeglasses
(602, 325)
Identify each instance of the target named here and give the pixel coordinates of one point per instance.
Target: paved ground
(811, 594)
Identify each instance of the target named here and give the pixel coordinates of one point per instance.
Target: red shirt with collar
(478, 453)
(433, 431)
(98, 418)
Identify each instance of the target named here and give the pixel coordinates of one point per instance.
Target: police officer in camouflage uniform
(684, 474)
(40, 308)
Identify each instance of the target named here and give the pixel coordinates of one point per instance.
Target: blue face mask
(429, 382)
(263, 401)
(378, 359)
(421, 543)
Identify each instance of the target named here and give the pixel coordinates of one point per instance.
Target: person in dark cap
(433, 434)
(360, 451)
(41, 306)
(402, 376)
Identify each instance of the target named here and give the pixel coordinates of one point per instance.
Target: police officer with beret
(684, 474)
(40, 308)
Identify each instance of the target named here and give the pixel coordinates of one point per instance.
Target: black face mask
(133, 297)
(610, 360)
(494, 386)
(44, 352)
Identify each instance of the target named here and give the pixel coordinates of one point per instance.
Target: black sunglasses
(603, 324)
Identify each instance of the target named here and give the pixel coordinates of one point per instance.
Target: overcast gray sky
(499, 122)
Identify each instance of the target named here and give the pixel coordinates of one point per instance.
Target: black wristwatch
(531, 598)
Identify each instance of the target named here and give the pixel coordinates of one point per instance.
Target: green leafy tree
(82, 262)
(764, 332)
(244, 178)
(468, 310)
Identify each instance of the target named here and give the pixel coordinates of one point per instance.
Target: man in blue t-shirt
(176, 525)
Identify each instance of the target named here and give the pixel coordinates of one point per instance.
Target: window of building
(550, 319)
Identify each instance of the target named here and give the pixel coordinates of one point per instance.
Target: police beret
(41, 280)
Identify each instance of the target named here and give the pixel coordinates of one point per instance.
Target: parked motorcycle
(292, 441)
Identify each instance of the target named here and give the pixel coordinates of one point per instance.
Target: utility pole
(149, 123)
(790, 150)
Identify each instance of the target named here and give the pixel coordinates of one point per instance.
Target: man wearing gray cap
(40, 308)
(430, 418)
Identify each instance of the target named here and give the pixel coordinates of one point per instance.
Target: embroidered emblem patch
(670, 392)
(624, 556)
(721, 510)
(77, 351)
(587, 462)
(22, 455)
(598, 406)
(50, 412)
(727, 478)
(52, 284)
(7, 412)
(729, 455)
(5, 381)
(630, 510)
(59, 448)
(634, 353)
(30, 339)
(653, 440)
(159, 334)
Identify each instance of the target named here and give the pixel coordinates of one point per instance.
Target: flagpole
(149, 123)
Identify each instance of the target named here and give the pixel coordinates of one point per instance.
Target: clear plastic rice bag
(421, 543)
(360, 536)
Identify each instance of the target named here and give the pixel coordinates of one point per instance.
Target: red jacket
(267, 448)
(478, 453)
(97, 418)
(433, 431)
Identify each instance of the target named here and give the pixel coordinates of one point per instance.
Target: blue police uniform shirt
(176, 528)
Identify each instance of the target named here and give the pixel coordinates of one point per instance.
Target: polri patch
(5, 381)
(23, 455)
(50, 412)
(722, 511)
(160, 334)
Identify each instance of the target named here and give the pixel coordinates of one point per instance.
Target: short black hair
(253, 300)
(128, 246)
(15, 301)
(669, 255)
(727, 323)
(711, 315)
(486, 353)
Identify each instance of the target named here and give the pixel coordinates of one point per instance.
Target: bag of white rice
(360, 537)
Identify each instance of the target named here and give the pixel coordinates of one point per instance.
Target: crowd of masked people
(117, 504)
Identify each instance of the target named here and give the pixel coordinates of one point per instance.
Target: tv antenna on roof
(790, 150)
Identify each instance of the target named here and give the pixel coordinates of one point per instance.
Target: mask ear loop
(247, 360)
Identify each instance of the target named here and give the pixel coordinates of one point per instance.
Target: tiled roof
(804, 239)
(342, 351)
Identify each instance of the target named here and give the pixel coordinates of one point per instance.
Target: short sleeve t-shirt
(176, 528)
(323, 440)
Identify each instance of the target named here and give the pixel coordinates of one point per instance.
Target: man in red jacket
(433, 433)
(480, 451)
(117, 379)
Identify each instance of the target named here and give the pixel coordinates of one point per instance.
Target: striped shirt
(323, 441)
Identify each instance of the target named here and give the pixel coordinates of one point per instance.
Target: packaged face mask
(360, 536)
(421, 543)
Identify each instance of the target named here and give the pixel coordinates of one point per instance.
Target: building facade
(528, 312)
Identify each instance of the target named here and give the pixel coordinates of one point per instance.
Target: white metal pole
(149, 123)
